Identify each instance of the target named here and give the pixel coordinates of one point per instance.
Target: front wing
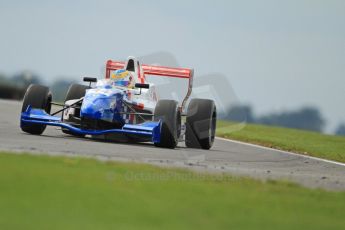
(151, 130)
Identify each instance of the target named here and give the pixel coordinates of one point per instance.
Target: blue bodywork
(102, 103)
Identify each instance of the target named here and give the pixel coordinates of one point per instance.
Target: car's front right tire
(39, 97)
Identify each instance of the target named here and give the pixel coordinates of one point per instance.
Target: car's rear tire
(201, 123)
(168, 112)
(75, 91)
(39, 97)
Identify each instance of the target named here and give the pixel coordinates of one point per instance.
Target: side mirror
(90, 79)
(142, 86)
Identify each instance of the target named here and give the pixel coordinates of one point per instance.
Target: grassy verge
(42, 192)
(309, 143)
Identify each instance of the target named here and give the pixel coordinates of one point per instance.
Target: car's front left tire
(75, 91)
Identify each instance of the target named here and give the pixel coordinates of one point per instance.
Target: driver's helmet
(122, 77)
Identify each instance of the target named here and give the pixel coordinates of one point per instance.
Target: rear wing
(158, 71)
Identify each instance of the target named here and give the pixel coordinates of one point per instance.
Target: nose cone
(101, 104)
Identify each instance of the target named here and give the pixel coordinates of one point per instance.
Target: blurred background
(270, 62)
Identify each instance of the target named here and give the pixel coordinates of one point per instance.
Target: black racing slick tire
(201, 123)
(168, 112)
(39, 97)
(75, 91)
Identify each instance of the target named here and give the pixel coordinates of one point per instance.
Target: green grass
(42, 192)
(305, 142)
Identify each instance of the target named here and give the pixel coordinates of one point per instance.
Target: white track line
(281, 151)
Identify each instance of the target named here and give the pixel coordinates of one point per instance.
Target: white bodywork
(70, 111)
(145, 99)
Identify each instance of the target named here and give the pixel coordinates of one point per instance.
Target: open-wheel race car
(124, 106)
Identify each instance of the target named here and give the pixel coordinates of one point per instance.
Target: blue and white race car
(124, 106)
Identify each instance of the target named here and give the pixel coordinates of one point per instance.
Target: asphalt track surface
(225, 157)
